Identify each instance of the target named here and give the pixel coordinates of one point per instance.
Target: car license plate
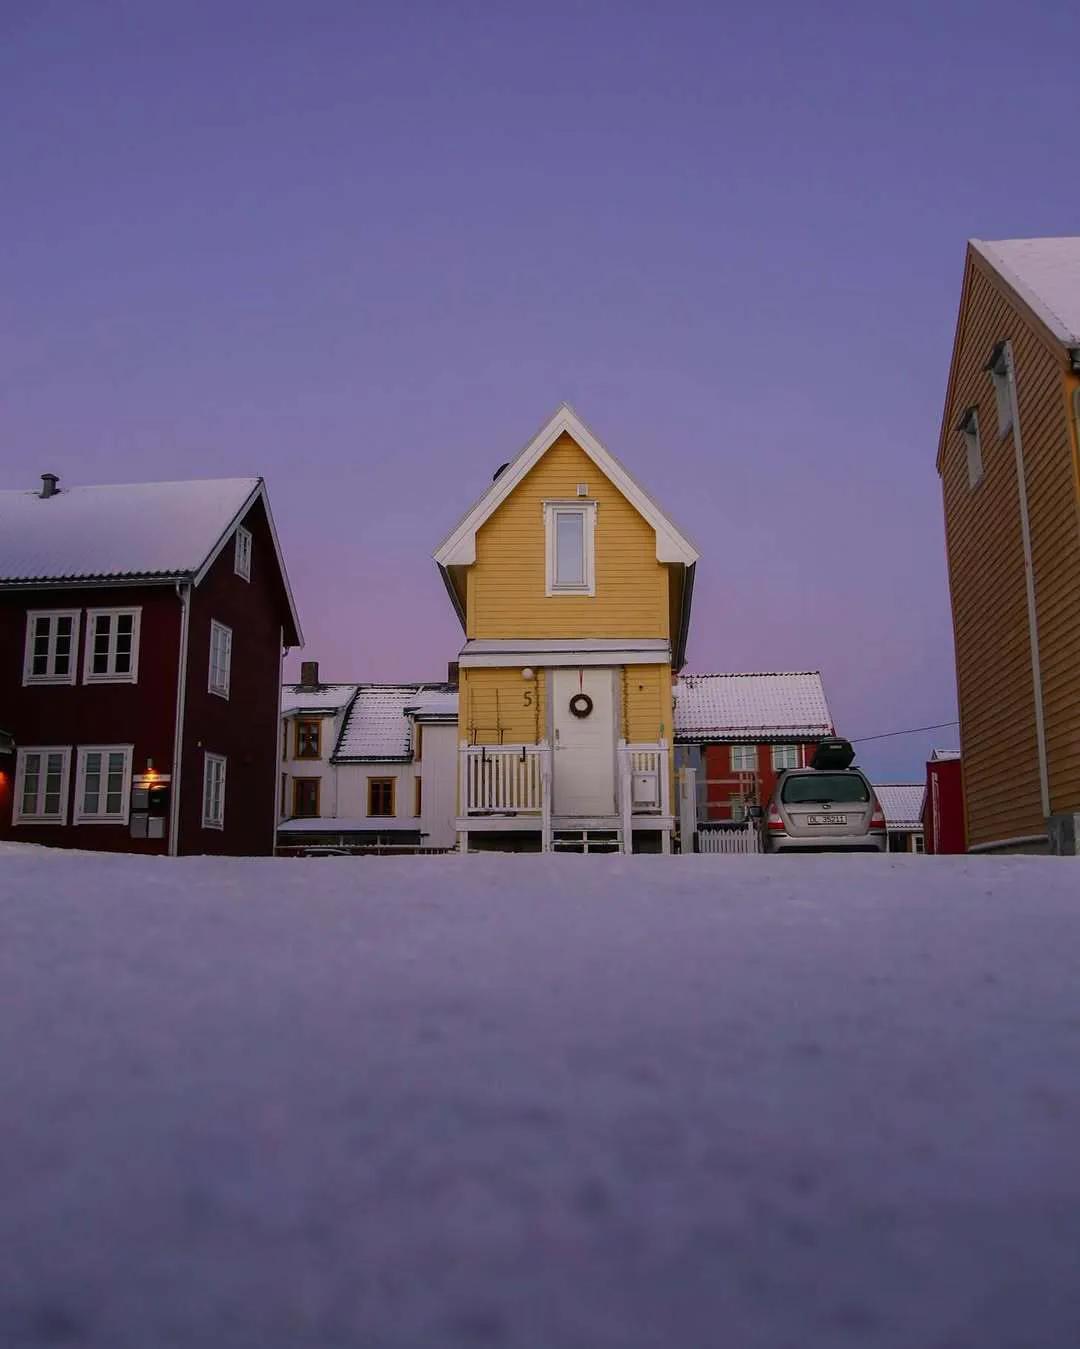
(826, 819)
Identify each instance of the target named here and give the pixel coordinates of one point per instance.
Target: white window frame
(242, 554)
(791, 751)
(82, 816)
(220, 689)
(998, 366)
(752, 754)
(28, 651)
(552, 511)
(61, 816)
(969, 429)
(111, 676)
(210, 819)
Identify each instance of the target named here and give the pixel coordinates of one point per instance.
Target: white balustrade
(504, 779)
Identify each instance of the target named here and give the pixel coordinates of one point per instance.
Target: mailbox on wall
(149, 804)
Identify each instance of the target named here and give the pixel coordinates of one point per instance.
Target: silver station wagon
(828, 807)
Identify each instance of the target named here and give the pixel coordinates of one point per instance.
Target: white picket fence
(741, 840)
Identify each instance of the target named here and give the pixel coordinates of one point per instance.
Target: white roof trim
(459, 547)
(566, 651)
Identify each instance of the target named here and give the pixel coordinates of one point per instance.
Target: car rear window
(824, 787)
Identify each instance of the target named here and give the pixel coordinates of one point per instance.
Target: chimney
(49, 485)
(452, 673)
(309, 674)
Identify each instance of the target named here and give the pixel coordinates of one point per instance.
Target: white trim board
(459, 547)
(556, 652)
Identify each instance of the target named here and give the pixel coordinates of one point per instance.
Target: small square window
(744, 758)
(112, 646)
(242, 561)
(220, 658)
(969, 429)
(50, 655)
(103, 784)
(1000, 367)
(213, 814)
(381, 796)
(41, 784)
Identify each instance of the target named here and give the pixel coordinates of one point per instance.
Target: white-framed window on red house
(213, 812)
(41, 784)
(242, 557)
(103, 784)
(112, 646)
(52, 643)
(220, 658)
(744, 758)
(785, 756)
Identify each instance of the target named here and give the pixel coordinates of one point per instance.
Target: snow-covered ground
(560, 1103)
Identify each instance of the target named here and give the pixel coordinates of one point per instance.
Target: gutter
(1029, 583)
(183, 594)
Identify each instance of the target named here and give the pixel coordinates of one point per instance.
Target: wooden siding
(646, 703)
(498, 707)
(505, 587)
(986, 571)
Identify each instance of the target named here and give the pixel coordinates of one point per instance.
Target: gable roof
(1045, 274)
(127, 532)
(768, 706)
(377, 725)
(459, 546)
(902, 803)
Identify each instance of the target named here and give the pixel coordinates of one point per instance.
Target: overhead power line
(914, 730)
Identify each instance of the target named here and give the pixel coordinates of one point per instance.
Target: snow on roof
(377, 724)
(735, 706)
(1045, 273)
(125, 529)
(440, 707)
(937, 755)
(322, 698)
(902, 803)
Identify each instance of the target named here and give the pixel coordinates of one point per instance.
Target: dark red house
(944, 826)
(738, 731)
(142, 628)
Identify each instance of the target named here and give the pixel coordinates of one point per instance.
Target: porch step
(586, 840)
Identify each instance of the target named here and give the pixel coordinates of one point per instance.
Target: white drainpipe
(1029, 580)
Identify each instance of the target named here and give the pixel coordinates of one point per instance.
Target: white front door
(584, 759)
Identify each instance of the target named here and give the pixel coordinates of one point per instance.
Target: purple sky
(366, 250)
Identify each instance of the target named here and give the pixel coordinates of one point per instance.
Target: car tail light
(774, 820)
(877, 820)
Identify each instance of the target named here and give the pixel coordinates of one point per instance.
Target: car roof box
(833, 754)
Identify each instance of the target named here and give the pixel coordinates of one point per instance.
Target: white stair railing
(505, 779)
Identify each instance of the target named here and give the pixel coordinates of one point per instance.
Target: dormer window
(998, 367)
(571, 547)
(969, 429)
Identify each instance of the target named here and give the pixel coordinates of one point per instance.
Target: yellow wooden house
(573, 588)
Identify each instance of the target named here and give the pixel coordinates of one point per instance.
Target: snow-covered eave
(762, 734)
(370, 758)
(459, 546)
(103, 581)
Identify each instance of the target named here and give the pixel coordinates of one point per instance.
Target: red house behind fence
(141, 635)
(740, 730)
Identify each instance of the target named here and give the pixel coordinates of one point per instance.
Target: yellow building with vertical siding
(1009, 460)
(573, 589)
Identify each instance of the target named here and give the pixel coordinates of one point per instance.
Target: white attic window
(570, 529)
(242, 563)
(969, 429)
(998, 366)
